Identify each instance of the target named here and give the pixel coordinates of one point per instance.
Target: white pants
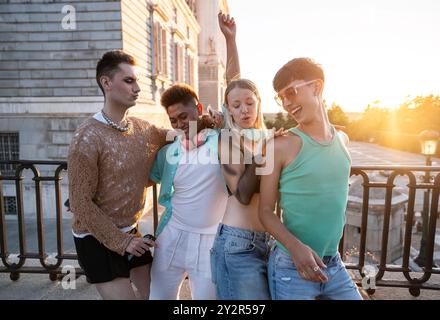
(179, 253)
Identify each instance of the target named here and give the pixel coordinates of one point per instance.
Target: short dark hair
(178, 93)
(297, 69)
(108, 64)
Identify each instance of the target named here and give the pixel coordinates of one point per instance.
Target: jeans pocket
(236, 245)
(283, 260)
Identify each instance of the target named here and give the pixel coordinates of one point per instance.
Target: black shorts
(101, 264)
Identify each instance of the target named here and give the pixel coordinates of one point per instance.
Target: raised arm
(229, 30)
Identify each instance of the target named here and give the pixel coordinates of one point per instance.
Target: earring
(199, 107)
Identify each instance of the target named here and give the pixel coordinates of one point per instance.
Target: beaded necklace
(116, 126)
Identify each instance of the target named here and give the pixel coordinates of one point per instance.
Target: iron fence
(414, 284)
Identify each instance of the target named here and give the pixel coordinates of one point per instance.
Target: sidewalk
(40, 287)
(388, 293)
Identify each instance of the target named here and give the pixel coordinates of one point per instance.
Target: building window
(192, 5)
(160, 50)
(175, 15)
(189, 68)
(9, 150)
(178, 72)
(176, 62)
(10, 205)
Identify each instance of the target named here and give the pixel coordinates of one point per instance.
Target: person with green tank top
(311, 169)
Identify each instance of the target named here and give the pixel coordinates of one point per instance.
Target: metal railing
(413, 284)
(54, 270)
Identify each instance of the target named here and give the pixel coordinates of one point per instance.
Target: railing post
(421, 258)
(3, 239)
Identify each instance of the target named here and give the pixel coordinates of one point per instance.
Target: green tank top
(314, 192)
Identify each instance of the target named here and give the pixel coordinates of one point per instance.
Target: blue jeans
(239, 264)
(286, 284)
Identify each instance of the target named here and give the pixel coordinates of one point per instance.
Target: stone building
(48, 55)
(212, 53)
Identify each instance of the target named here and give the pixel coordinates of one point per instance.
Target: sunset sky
(370, 50)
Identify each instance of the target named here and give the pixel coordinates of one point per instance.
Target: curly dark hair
(179, 93)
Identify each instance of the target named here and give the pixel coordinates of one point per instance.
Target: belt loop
(220, 228)
(254, 236)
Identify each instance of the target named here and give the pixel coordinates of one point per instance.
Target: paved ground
(372, 154)
(386, 293)
(40, 287)
(37, 286)
(367, 154)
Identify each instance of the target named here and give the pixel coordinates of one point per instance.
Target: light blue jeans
(286, 284)
(239, 264)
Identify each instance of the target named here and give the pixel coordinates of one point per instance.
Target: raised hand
(280, 132)
(229, 30)
(205, 121)
(217, 116)
(227, 25)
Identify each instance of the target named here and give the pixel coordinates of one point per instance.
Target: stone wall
(47, 72)
(40, 58)
(212, 53)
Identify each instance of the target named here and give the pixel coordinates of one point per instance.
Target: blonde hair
(249, 85)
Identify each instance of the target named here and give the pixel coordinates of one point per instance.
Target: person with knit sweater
(109, 160)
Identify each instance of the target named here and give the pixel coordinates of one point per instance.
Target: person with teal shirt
(311, 172)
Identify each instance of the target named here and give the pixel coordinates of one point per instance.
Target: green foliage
(337, 116)
(282, 120)
(369, 127)
(398, 128)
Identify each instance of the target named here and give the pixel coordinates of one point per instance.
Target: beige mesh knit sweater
(108, 172)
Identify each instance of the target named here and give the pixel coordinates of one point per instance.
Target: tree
(398, 128)
(337, 116)
(369, 128)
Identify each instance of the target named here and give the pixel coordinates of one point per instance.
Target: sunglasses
(290, 92)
